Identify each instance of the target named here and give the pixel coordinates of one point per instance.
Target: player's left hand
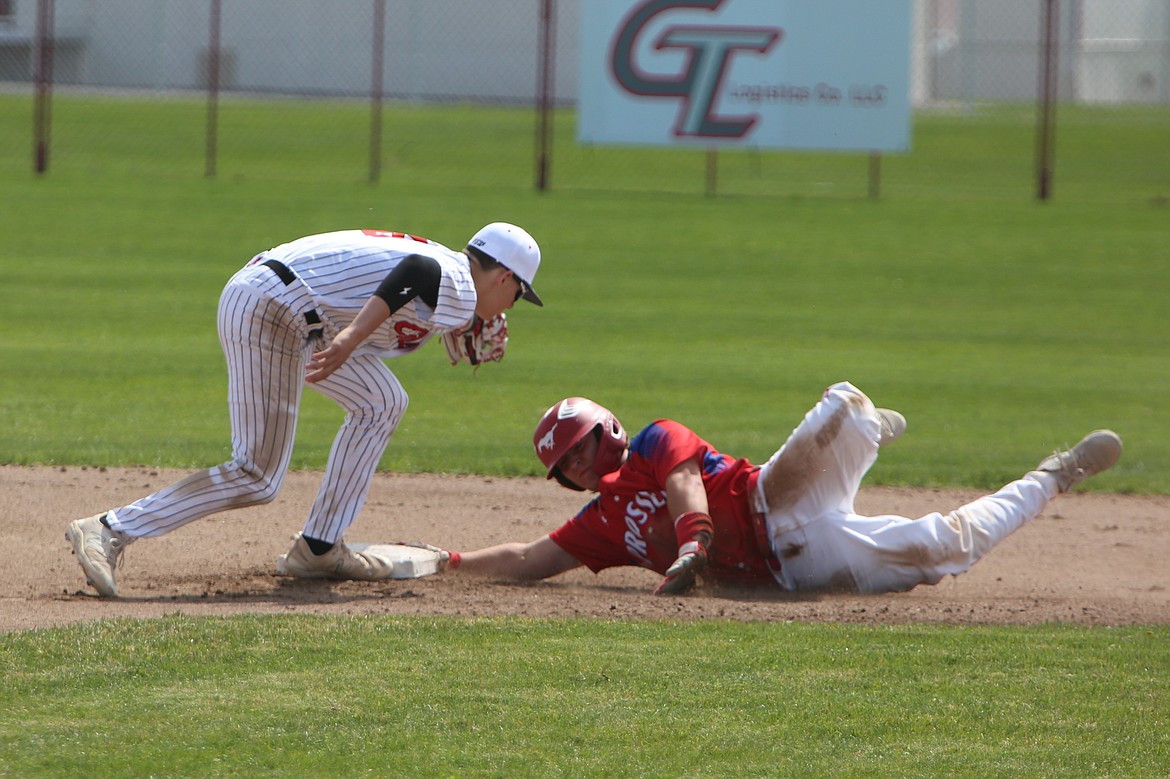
(444, 555)
(680, 576)
(479, 342)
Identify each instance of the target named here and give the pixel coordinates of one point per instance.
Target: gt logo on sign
(709, 51)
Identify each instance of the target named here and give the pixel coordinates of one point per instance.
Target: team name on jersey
(409, 335)
(389, 234)
(638, 512)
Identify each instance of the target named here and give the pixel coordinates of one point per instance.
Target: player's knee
(857, 401)
(265, 492)
(395, 410)
(847, 392)
(255, 485)
(382, 416)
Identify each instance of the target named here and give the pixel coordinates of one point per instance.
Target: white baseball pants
(807, 491)
(265, 339)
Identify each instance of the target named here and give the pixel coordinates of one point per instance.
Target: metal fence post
(544, 94)
(376, 89)
(1046, 148)
(213, 62)
(43, 100)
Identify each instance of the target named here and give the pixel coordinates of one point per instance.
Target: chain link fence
(384, 90)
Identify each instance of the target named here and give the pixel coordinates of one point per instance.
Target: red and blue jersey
(628, 522)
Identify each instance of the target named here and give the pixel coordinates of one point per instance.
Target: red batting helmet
(566, 423)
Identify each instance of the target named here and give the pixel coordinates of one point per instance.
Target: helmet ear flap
(611, 446)
(564, 482)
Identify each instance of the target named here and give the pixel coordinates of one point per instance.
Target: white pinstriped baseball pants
(265, 340)
(807, 491)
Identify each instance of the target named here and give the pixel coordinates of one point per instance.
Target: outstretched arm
(538, 559)
(686, 500)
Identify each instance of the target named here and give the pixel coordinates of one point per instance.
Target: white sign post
(789, 74)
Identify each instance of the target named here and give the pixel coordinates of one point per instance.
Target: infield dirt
(1090, 559)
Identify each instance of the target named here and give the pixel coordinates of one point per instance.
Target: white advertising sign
(798, 74)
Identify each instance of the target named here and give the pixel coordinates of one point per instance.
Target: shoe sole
(893, 426)
(76, 536)
(1095, 453)
(282, 569)
(1098, 451)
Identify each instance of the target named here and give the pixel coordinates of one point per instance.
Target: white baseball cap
(515, 249)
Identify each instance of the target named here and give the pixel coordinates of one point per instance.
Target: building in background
(1112, 51)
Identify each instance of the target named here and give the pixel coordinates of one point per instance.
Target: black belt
(281, 270)
(288, 277)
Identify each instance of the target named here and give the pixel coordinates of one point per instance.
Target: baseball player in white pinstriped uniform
(325, 309)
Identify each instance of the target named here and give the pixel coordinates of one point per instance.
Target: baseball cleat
(99, 550)
(893, 425)
(1098, 451)
(340, 562)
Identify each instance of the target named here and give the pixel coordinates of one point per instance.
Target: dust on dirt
(1090, 559)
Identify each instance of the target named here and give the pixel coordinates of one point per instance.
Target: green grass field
(1000, 326)
(415, 697)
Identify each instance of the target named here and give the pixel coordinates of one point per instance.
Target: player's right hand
(680, 576)
(323, 363)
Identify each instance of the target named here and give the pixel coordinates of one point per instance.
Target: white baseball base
(409, 562)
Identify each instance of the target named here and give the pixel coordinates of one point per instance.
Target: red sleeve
(665, 445)
(584, 537)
